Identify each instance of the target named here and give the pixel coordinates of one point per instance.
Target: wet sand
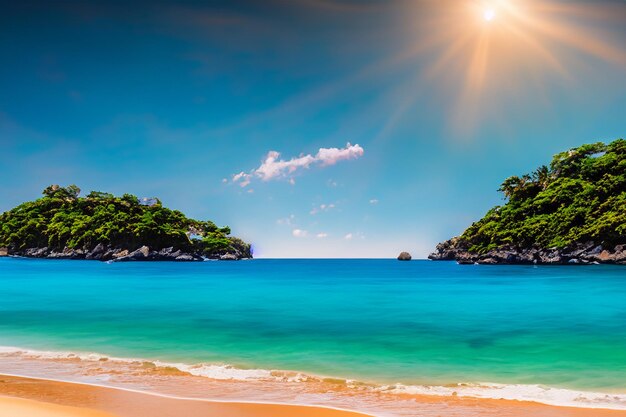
(27, 397)
(56, 399)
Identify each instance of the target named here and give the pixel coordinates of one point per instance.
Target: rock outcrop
(108, 253)
(577, 254)
(404, 256)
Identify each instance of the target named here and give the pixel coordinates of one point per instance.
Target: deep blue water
(416, 322)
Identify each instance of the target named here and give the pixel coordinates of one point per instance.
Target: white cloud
(243, 177)
(273, 167)
(299, 233)
(322, 207)
(374, 201)
(348, 236)
(224, 180)
(321, 235)
(289, 221)
(330, 156)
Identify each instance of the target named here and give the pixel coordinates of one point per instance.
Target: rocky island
(104, 227)
(572, 212)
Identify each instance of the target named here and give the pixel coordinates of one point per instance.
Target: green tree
(62, 219)
(580, 197)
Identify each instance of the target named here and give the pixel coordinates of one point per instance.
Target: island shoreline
(587, 253)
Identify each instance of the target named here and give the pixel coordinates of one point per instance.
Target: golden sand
(44, 398)
(26, 397)
(20, 407)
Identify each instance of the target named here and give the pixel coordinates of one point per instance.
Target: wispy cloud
(374, 201)
(289, 221)
(273, 167)
(321, 208)
(299, 233)
(351, 236)
(242, 178)
(321, 235)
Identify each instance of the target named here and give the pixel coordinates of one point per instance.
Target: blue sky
(170, 99)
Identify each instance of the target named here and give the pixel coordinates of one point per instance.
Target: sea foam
(519, 392)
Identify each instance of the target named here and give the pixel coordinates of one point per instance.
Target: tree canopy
(62, 219)
(580, 197)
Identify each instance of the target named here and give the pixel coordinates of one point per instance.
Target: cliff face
(572, 212)
(112, 253)
(100, 226)
(579, 253)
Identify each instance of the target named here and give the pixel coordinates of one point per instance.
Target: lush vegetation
(580, 197)
(61, 218)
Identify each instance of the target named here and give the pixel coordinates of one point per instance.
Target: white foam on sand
(520, 392)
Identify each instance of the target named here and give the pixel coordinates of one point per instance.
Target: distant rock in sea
(404, 256)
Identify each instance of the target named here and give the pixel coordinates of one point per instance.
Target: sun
(484, 53)
(489, 14)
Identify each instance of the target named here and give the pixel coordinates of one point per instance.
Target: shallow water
(397, 326)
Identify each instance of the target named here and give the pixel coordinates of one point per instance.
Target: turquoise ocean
(554, 334)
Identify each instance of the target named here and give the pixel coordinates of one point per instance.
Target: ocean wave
(518, 392)
(213, 371)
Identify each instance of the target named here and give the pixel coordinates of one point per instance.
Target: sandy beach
(12, 407)
(28, 397)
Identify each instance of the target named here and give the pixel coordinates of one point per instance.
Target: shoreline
(278, 381)
(578, 253)
(44, 397)
(167, 396)
(97, 400)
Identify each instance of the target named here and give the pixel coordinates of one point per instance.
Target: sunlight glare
(489, 14)
(485, 53)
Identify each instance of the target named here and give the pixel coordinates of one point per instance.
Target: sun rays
(483, 53)
(471, 61)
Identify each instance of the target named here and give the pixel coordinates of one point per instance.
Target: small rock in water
(404, 256)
